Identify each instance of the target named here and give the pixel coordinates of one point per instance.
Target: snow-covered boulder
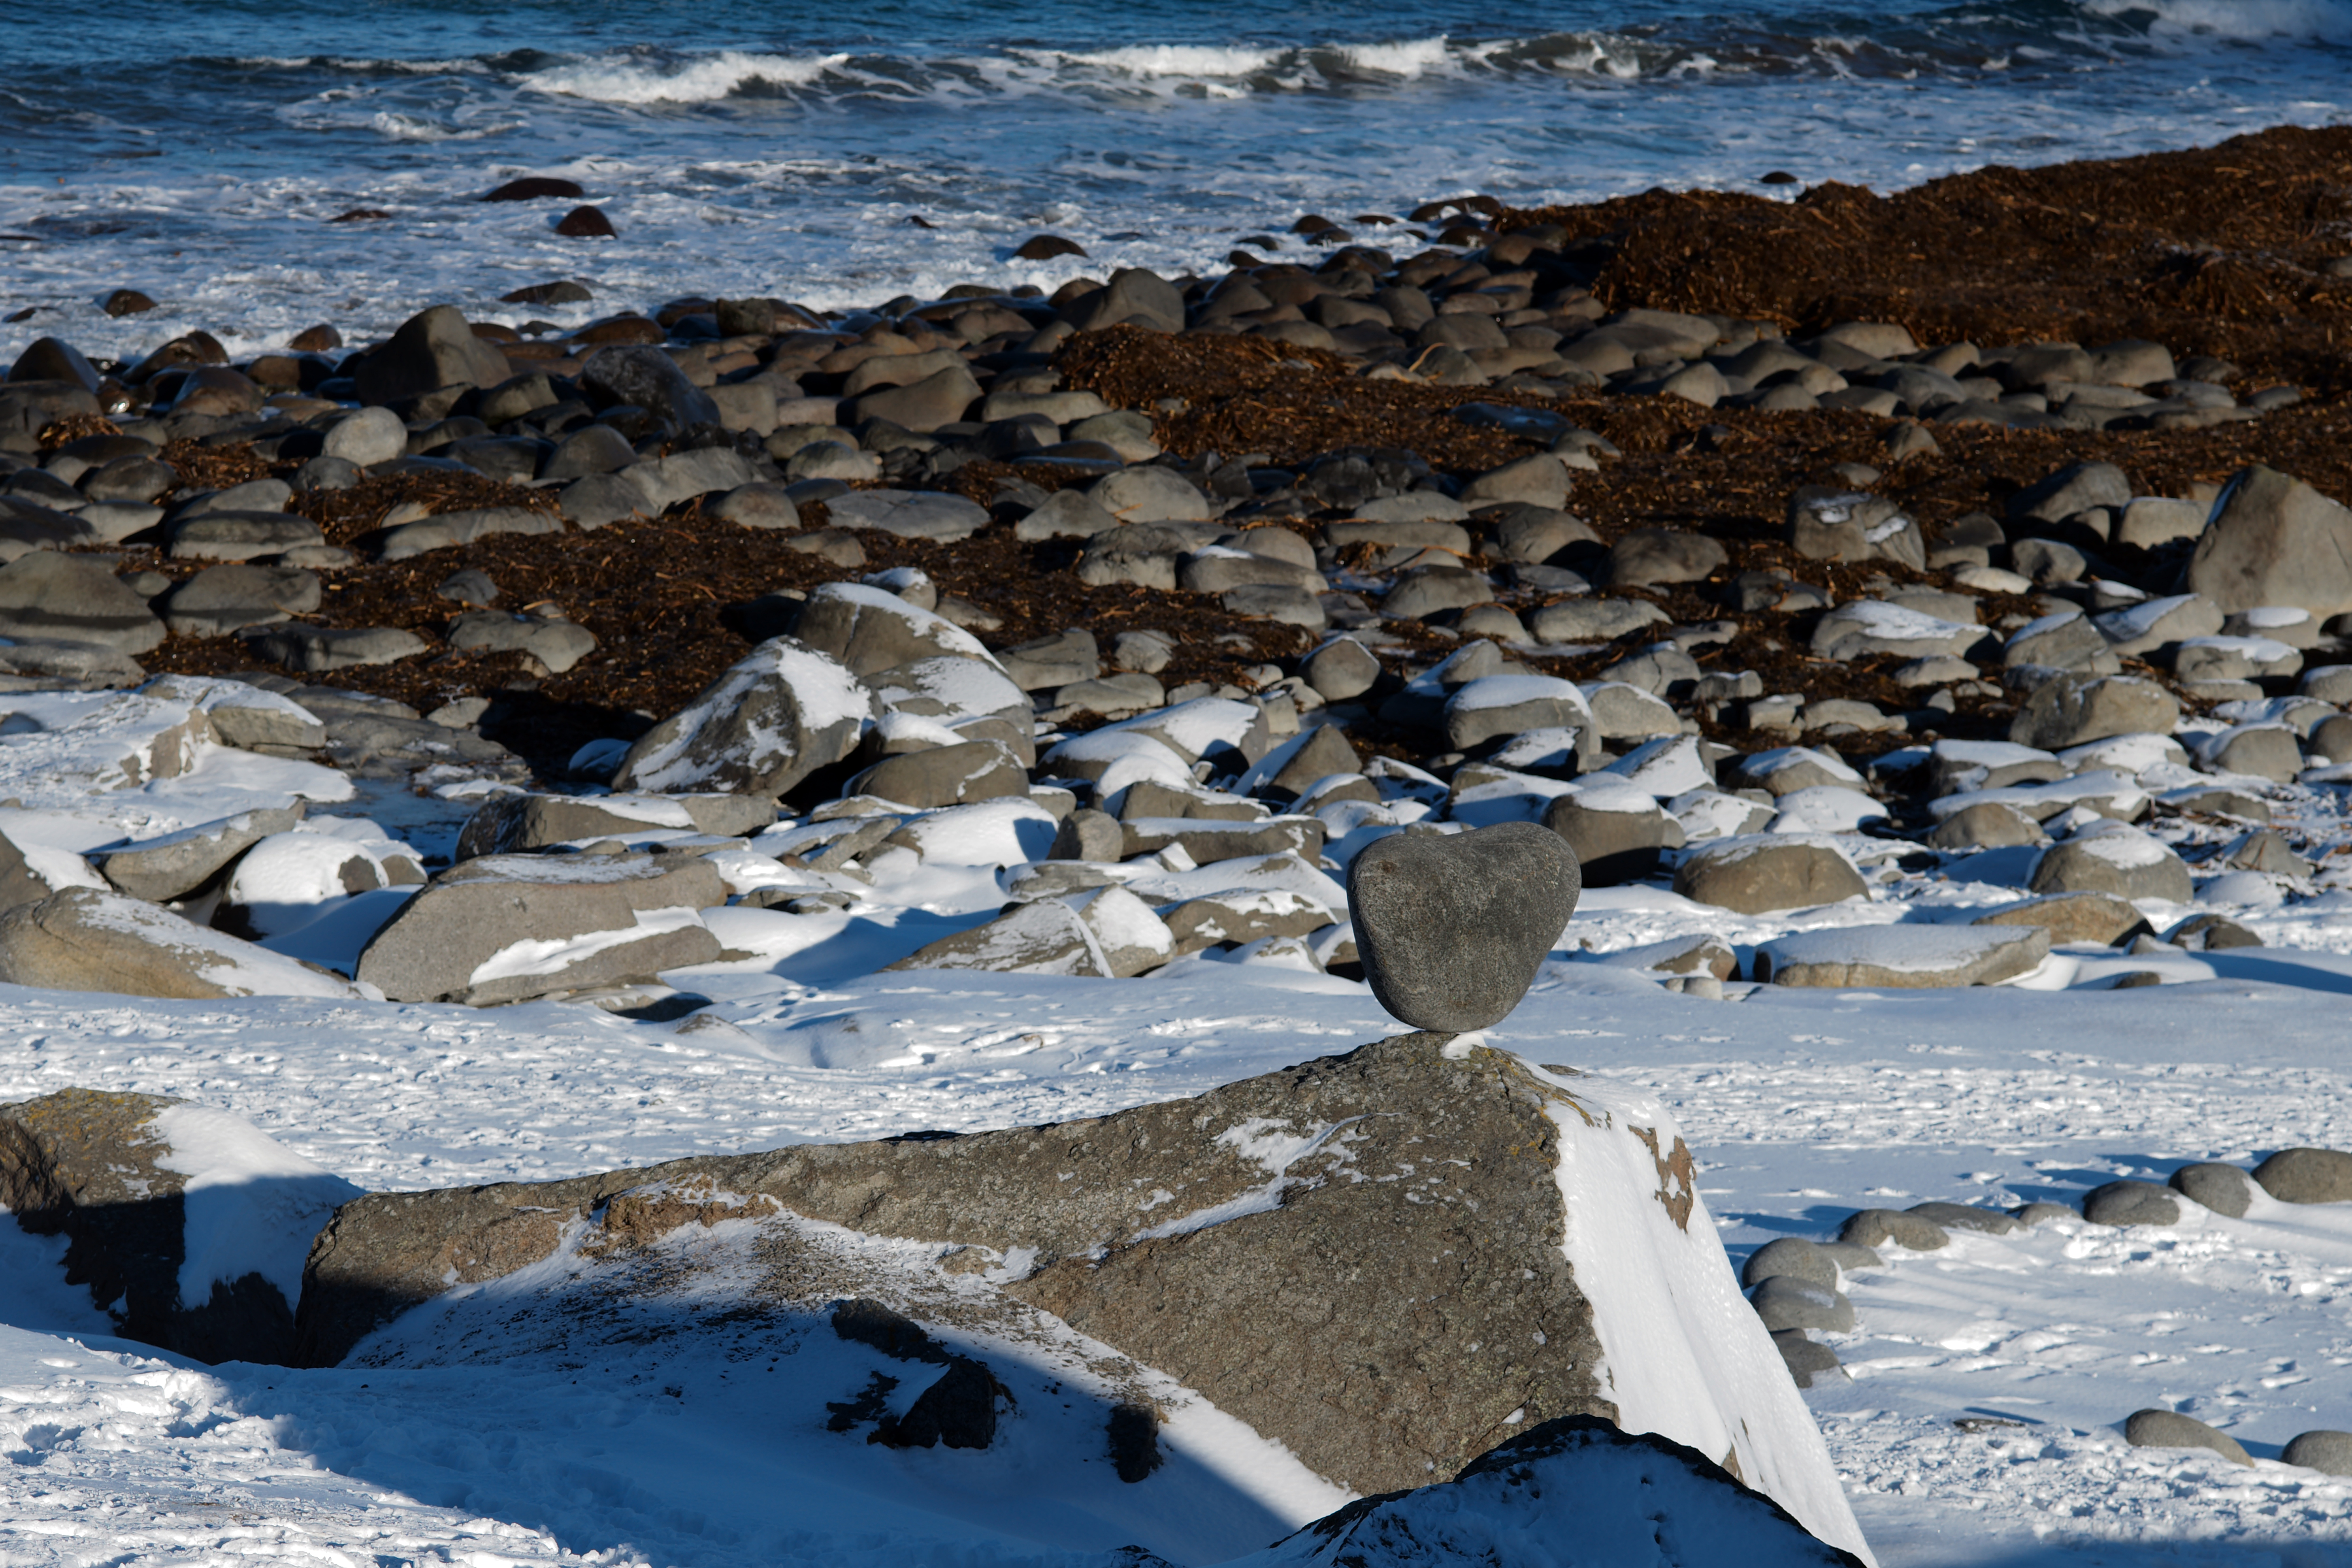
(509, 823)
(1421, 1244)
(1046, 937)
(777, 715)
(86, 940)
(1768, 871)
(188, 1225)
(2121, 862)
(505, 928)
(1903, 956)
(1573, 1493)
(869, 630)
(178, 863)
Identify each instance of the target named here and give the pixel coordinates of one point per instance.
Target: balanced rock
(1453, 929)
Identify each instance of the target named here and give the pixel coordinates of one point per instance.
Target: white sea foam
(2252, 19)
(702, 78)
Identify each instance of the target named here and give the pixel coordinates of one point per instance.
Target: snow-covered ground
(1803, 1105)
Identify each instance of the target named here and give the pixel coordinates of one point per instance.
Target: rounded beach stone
(1785, 1301)
(2031, 1214)
(2125, 865)
(1807, 1362)
(1851, 1257)
(1877, 1227)
(2131, 1202)
(2171, 1429)
(372, 436)
(2225, 1189)
(2330, 1453)
(1452, 929)
(1767, 872)
(1967, 1216)
(1793, 1257)
(2306, 1176)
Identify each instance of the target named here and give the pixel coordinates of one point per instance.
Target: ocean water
(198, 151)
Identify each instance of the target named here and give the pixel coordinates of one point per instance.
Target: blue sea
(197, 151)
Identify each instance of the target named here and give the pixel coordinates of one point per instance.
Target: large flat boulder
(2273, 540)
(1420, 1244)
(1906, 957)
(188, 1225)
(85, 940)
(505, 927)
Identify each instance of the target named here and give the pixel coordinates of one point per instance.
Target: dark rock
(48, 359)
(1046, 246)
(317, 650)
(586, 223)
(2130, 1202)
(958, 1411)
(1132, 295)
(2306, 1176)
(531, 188)
(645, 378)
(433, 349)
(1452, 929)
(126, 302)
(2210, 933)
(945, 776)
(2225, 1189)
(561, 292)
(223, 599)
(2077, 487)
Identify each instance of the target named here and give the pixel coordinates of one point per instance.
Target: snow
(551, 954)
(252, 1205)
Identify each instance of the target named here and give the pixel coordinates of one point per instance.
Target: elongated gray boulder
(85, 940)
(2170, 1429)
(158, 869)
(505, 927)
(1903, 956)
(1452, 929)
(777, 715)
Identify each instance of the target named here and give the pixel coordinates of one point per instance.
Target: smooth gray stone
(1875, 1227)
(1807, 1363)
(2170, 1429)
(1785, 1301)
(1453, 929)
(2225, 1189)
(2131, 1202)
(1967, 1216)
(2330, 1453)
(2306, 1176)
(1791, 1256)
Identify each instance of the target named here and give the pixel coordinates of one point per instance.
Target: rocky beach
(894, 823)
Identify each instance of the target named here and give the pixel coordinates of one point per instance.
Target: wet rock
(433, 349)
(2306, 1176)
(2131, 1202)
(1452, 929)
(586, 222)
(2225, 1189)
(777, 715)
(2170, 1429)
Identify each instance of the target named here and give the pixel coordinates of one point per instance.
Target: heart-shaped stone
(1452, 928)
